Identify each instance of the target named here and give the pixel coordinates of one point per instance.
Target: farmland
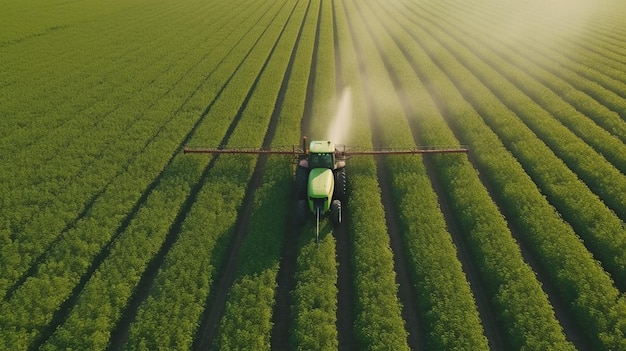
(112, 239)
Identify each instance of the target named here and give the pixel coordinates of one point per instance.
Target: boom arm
(348, 152)
(250, 151)
(341, 150)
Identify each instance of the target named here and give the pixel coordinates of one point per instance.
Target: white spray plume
(339, 129)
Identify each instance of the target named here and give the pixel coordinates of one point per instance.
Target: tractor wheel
(341, 185)
(302, 180)
(335, 212)
(302, 210)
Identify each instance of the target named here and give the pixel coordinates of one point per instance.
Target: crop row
(542, 110)
(593, 219)
(247, 320)
(581, 282)
(103, 94)
(77, 177)
(198, 253)
(448, 307)
(591, 90)
(505, 274)
(314, 298)
(226, 180)
(444, 295)
(588, 52)
(71, 258)
(46, 72)
(378, 320)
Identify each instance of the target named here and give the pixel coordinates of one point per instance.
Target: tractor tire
(302, 182)
(341, 185)
(302, 211)
(335, 212)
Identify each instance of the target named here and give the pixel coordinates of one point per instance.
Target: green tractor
(321, 182)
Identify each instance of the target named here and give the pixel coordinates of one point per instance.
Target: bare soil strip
(281, 316)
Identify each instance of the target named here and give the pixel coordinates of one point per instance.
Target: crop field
(111, 238)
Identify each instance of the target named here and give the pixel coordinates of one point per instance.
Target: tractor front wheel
(341, 185)
(335, 212)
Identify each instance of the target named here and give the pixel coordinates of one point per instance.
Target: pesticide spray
(339, 128)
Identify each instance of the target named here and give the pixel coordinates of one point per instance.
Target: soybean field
(111, 238)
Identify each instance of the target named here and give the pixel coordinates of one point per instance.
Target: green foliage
(246, 324)
(564, 257)
(315, 295)
(314, 307)
(93, 184)
(378, 323)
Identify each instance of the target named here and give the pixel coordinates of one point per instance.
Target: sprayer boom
(294, 151)
(349, 151)
(321, 183)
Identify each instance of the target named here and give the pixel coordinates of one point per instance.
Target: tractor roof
(322, 146)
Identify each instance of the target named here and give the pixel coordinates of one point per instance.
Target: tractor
(320, 182)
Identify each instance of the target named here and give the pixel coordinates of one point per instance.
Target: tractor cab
(322, 155)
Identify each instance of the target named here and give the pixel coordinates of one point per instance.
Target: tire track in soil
(492, 329)
(406, 291)
(216, 301)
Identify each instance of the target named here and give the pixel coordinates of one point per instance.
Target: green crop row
(444, 295)
(605, 98)
(42, 294)
(378, 321)
(75, 178)
(224, 187)
(314, 298)
(84, 98)
(580, 280)
(314, 306)
(247, 320)
(536, 104)
(50, 72)
(151, 328)
(589, 216)
(510, 283)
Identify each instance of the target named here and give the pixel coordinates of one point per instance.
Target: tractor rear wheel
(335, 212)
(302, 210)
(341, 185)
(302, 180)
